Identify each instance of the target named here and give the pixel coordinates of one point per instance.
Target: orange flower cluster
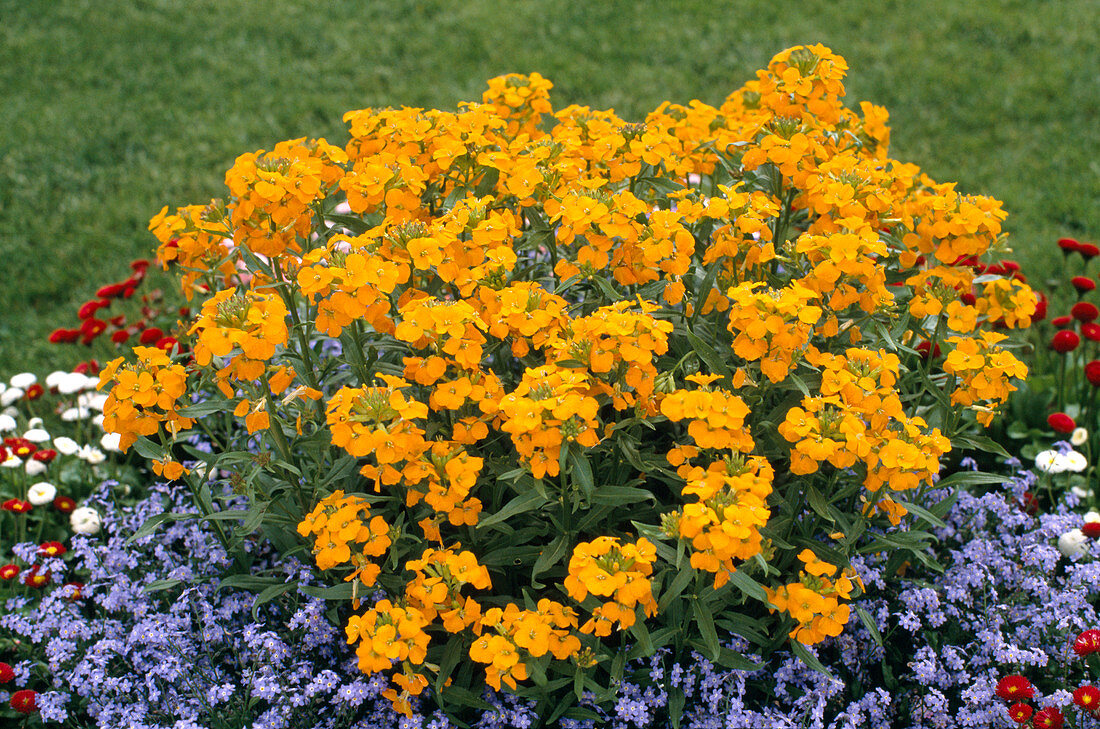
(605, 568)
(345, 532)
(716, 417)
(522, 633)
(275, 193)
(983, 371)
(145, 395)
(771, 326)
(858, 422)
(724, 524)
(389, 634)
(814, 601)
(199, 239)
(245, 328)
(551, 405)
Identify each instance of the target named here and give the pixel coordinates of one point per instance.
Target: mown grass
(109, 111)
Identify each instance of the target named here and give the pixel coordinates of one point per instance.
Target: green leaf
(335, 592)
(550, 556)
(465, 698)
(748, 586)
(676, 587)
(708, 355)
(156, 520)
(521, 504)
(818, 504)
(869, 623)
(809, 658)
(621, 495)
(705, 622)
(581, 472)
(202, 409)
(641, 633)
(676, 701)
(158, 585)
(703, 292)
(148, 449)
(971, 478)
(981, 443)
(269, 594)
(923, 513)
(452, 654)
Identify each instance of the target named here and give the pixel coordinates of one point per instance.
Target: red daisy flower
(1065, 341)
(1040, 309)
(1083, 284)
(17, 506)
(1087, 642)
(64, 336)
(1020, 713)
(167, 344)
(1088, 251)
(1061, 322)
(34, 392)
(1068, 245)
(91, 367)
(111, 291)
(1091, 529)
(6, 674)
(25, 701)
(1028, 503)
(75, 589)
(120, 336)
(152, 335)
(64, 504)
(1087, 697)
(1011, 688)
(90, 329)
(9, 572)
(1061, 423)
(1084, 311)
(33, 578)
(1092, 372)
(1091, 332)
(45, 456)
(89, 308)
(53, 549)
(1048, 718)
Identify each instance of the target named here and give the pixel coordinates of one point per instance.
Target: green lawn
(110, 110)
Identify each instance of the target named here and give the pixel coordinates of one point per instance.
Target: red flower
(91, 367)
(1061, 423)
(1065, 341)
(1091, 332)
(1020, 713)
(90, 329)
(968, 298)
(16, 506)
(64, 336)
(111, 291)
(1092, 372)
(64, 504)
(1087, 643)
(53, 549)
(139, 265)
(9, 572)
(89, 308)
(6, 674)
(34, 392)
(25, 701)
(1061, 322)
(1015, 687)
(20, 446)
(1048, 718)
(1068, 245)
(120, 336)
(1091, 529)
(925, 347)
(33, 578)
(1088, 251)
(1040, 309)
(1084, 311)
(151, 336)
(1011, 266)
(1029, 504)
(74, 590)
(167, 344)
(1083, 284)
(1087, 697)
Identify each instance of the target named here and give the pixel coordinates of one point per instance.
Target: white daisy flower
(41, 493)
(1079, 436)
(7, 423)
(110, 441)
(37, 435)
(35, 468)
(1073, 542)
(11, 395)
(23, 380)
(85, 520)
(1075, 461)
(65, 445)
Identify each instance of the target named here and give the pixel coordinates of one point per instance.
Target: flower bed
(577, 422)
